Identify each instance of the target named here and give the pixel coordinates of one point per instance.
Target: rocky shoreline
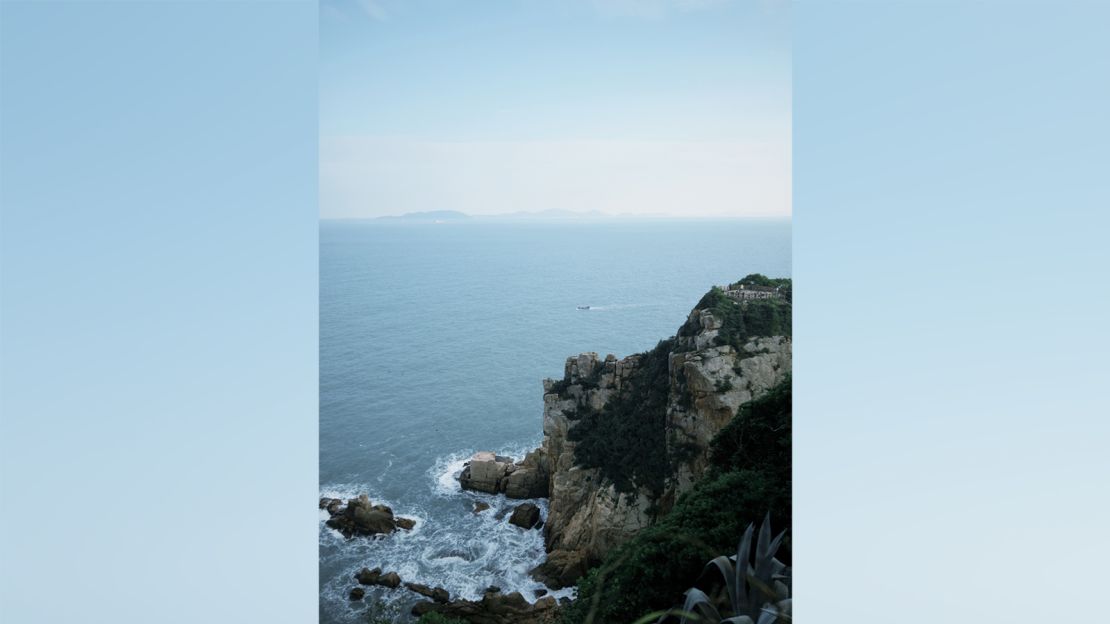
(699, 378)
(707, 378)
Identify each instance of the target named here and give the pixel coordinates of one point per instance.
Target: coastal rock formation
(438, 594)
(495, 474)
(495, 608)
(683, 392)
(561, 568)
(529, 477)
(525, 516)
(485, 472)
(718, 380)
(360, 517)
(367, 576)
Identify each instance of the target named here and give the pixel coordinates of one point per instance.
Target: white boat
(583, 307)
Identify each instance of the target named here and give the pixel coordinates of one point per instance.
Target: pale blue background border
(950, 258)
(159, 311)
(159, 424)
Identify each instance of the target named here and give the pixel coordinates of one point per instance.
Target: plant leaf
(765, 566)
(698, 603)
(724, 566)
(764, 538)
(743, 552)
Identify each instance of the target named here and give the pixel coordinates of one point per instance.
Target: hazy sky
(624, 106)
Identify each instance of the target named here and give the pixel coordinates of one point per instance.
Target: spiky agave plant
(757, 589)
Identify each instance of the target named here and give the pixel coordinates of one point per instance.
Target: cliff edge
(623, 438)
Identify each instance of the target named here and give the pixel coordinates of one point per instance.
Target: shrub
(646, 573)
(744, 589)
(759, 435)
(749, 476)
(742, 321)
(626, 439)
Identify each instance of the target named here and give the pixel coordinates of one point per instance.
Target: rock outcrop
(707, 378)
(367, 576)
(495, 608)
(562, 568)
(495, 474)
(438, 594)
(360, 517)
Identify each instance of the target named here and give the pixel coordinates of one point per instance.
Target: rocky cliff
(624, 437)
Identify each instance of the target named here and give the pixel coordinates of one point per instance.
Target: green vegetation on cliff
(743, 320)
(749, 476)
(627, 438)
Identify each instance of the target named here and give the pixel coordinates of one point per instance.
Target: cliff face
(655, 412)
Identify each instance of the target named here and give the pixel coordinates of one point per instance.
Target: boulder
(525, 516)
(437, 594)
(361, 517)
(373, 520)
(367, 576)
(404, 523)
(494, 474)
(357, 593)
(480, 506)
(484, 472)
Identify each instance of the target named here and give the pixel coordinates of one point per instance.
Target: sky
(628, 107)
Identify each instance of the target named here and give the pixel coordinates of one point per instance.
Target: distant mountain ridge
(455, 215)
(430, 215)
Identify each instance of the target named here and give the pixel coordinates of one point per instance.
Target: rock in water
(525, 516)
(366, 576)
(360, 517)
(437, 594)
(357, 593)
(484, 472)
(494, 608)
(494, 474)
(479, 507)
(390, 579)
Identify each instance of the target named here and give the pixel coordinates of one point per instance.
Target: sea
(434, 341)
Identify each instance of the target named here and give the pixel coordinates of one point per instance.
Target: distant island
(430, 215)
(554, 213)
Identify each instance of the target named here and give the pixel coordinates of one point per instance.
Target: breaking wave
(450, 547)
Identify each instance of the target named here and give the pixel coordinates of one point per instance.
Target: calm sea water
(434, 339)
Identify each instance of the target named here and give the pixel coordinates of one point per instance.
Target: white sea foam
(459, 550)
